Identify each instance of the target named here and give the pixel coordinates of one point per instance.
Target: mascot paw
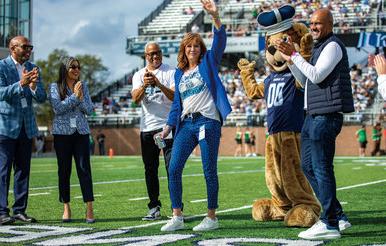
(264, 210)
(244, 64)
(306, 43)
(301, 216)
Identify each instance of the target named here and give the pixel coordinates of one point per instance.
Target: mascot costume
(292, 199)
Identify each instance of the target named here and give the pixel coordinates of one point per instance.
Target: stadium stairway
(171, 19)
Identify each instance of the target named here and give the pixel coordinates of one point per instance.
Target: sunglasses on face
(26, 47)
(158, 52)
(75, 67)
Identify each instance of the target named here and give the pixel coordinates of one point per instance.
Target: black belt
(328, 114)
(192, 116)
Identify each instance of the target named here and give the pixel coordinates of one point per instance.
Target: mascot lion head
(279, 24)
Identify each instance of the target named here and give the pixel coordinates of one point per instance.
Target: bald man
(19, 84)
(328, 95)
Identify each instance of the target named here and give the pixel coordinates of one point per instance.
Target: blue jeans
(317, 155)
(185, 141)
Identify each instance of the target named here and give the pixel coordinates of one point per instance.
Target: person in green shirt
(376, 136)
(239, 141)
(92, 144)
(362, 140)
(247, 141)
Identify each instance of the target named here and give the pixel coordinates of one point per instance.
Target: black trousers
(376, 148)
(150, 157)
(77, 146)
(102, 149)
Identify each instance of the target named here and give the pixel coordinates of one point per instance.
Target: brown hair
(182, 60)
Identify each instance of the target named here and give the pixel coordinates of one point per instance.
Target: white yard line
(360, 185)
(185, 218)
(241, 208)
(142, 180)
(80, 197)
(39, 194)
(138, 198)
(199, 200)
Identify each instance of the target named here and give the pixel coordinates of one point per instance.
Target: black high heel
(68, 220)
(89, 221)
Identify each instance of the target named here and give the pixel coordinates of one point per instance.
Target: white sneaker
(206, 224)
(344, 224)
(153, 214)
(175, 223)
(319, 231)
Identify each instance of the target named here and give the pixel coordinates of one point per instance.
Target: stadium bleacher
(239, 16)
(174, 18)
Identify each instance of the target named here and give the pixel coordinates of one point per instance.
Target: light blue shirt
(70, 110)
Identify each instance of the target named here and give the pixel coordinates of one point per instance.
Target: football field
(121, 202)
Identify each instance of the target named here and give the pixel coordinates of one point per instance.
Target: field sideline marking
(360, 185)
(95, 195)
(142, 179)
(199, 200)
(139, 198)
(39, 194)
(186, 218)
(241, 208)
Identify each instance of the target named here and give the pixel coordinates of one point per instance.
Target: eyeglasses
(26, 47)
(75, 67)
(158, 53)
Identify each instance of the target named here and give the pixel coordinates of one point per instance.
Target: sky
(96, 27)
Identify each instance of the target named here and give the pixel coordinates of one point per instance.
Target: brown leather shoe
(24, 218)
(5, 219)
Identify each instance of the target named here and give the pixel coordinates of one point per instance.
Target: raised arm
(211, 9)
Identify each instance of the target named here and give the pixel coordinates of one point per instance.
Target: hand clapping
(380, 64)
(29, 78)
(286, 48)
(78, 90)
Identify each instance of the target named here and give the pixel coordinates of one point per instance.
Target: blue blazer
(70, 107)
(12, 115)
(209, 72)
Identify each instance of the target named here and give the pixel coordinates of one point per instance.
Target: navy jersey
(284, 103)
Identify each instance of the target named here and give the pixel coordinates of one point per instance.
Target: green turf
(241, 182)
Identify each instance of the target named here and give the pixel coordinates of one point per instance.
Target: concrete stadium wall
(125, 141)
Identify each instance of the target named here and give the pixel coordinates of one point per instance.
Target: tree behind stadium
(93, 71)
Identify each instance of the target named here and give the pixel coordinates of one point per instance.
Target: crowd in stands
(347, 13)
(363, 82)
(364, 86)
(349, 16)
(239, 101)
(113, 106)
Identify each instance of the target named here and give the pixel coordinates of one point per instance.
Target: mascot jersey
(284, 103)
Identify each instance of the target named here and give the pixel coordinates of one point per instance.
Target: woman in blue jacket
(200, 106)
(70, 101)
